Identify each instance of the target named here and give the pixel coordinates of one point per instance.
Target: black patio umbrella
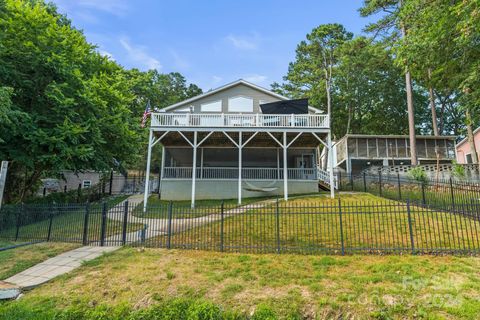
(297, 106)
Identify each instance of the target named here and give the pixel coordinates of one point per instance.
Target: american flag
(146, 113)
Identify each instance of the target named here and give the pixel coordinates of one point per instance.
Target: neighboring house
(464, 154)
(239, 140)
(71, 180)
(356, 152)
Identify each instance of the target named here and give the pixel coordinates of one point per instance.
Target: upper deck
(228, 122)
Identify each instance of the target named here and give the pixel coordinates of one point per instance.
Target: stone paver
(68, 261)
(56, 266)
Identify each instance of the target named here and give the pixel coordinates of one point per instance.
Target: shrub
(458, 171)
(418, 174)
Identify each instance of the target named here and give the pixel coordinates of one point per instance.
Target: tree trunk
(411, 110)
(471, 138)
(432, 105)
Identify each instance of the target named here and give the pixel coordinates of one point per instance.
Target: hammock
(268, 188)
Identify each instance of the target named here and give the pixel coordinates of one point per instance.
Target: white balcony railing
(247, 173)
(239, 120)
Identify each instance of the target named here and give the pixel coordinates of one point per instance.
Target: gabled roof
(227, 86)
(466, 138)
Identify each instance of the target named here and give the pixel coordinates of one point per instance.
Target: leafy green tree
(367, 89)
(393, 28)
(443, 42)
(70, 103)
(312, 71)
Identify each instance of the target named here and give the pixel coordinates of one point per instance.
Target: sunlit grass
(310, 287)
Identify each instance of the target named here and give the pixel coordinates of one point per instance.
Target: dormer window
(240, 104)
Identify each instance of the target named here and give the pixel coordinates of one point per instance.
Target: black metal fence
(331, 227)
(451, 195)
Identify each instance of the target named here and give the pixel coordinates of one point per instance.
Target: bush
(458, 171)
(418, 174)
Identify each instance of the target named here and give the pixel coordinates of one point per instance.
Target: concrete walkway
(56, 266)
(71, 260)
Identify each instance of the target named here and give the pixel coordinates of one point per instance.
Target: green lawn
(163, 284)
(13, 261)
(68, 223)
(159, 208)
(313, 225)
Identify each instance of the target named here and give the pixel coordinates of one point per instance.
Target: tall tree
(445, 38)
(315, 60)
(394, 28)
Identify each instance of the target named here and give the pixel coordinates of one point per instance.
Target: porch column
(147, 179)
(330, 165)
(285, 171)
(162, 166)
(240, 147)
(194, 167)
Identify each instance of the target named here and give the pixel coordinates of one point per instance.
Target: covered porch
(255, 156)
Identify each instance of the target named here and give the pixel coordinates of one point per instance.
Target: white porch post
(330, 165)
(162, 166)
(201, 163)
(240, 147)
(194, 167)
(147, 180)
(285, 171)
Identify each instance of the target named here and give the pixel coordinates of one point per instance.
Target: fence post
(65, 189)
(44, 192)
(380, 182)
(104, 224)
(111, 183)
(49, 233)
(85, 224)
(452, 194)
(221, 227)
(169, 226)
(424, 201)
(364, 182)
(19, 213)
(399, 187)
(410, 228)
(341, 226)
(277, 226)
(79, 190)
(125, 222)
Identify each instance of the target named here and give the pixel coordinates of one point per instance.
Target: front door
(305, 161)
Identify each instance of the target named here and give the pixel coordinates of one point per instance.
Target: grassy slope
(16, 260)
(159, 208)
(315, 220)
(323, 287)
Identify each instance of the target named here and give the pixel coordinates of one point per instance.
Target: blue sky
(210, 42)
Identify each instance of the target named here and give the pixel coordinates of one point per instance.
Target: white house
(239, 140)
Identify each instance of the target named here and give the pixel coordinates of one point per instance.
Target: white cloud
(244, 42)
(216, 79)
(106, 54)
(179, 61)
(139, 55)
(114, 7)
(256, 78)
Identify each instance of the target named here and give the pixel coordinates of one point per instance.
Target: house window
(185, 109)
(215, 106)
(468, 158)
(86, 183)
(240, 104)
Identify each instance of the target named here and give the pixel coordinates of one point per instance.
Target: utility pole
(3, 178)
(410, 108)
